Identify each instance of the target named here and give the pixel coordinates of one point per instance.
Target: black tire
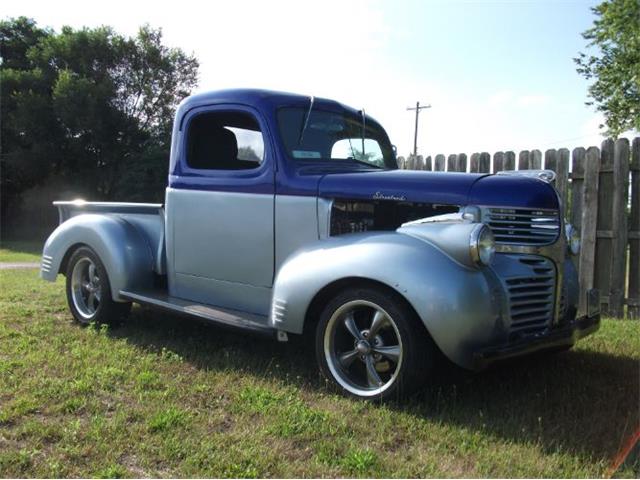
(399, 378)
(89, 294)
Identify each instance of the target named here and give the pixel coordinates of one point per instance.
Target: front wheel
(88, 290)
(372, 345)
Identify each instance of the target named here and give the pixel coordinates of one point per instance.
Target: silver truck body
(266, 262)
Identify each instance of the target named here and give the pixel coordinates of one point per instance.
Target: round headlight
(482, 245)
(573, 239)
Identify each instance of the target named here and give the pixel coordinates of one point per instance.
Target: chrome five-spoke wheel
(372, 345)
(85, 288)
(89, 292)
(363, 348)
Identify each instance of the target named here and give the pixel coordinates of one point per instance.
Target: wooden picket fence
(600, 189)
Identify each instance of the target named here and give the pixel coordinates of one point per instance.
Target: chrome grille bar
(523, 226)
(531, 296)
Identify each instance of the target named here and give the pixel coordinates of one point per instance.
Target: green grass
(167, 397)
(20, 251)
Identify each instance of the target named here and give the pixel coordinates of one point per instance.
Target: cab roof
(261, 99)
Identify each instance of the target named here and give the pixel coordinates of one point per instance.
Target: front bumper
(558, 337)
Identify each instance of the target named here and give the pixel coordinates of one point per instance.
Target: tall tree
(27, 126)
(16, 38)
(615, 67)
(90, 105)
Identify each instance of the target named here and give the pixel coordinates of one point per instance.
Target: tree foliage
(615, 68)
(91, 105)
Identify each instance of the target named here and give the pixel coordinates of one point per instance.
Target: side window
(224, 141)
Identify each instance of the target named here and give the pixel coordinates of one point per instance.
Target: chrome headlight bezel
(482, 245)
(573, 239)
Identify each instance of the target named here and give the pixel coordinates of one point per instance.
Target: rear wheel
(88, 290)
(372, 345)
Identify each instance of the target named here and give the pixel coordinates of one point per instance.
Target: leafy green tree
(16, 38)
(615, 68)
(369, 157)
(28, 129)
(248, 153)
(90, 105)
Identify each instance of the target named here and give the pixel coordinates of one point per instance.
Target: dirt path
(11, 265)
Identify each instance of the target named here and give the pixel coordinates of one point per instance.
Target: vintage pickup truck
(287, 214)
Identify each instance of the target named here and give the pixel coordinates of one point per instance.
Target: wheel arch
(331, 290)
(121, 248)
(64, 263)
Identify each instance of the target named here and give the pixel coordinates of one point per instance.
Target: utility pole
(417, 108)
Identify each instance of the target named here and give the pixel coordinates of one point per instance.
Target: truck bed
(147, 218)
(71, 208)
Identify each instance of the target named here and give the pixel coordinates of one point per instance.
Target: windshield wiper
(306, 120)
(363, 162)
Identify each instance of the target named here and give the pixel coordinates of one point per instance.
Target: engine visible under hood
(350, 216)
(384, 200)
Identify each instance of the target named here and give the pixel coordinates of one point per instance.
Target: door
(220, 206)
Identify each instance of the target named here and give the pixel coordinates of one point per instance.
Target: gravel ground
(11, 265)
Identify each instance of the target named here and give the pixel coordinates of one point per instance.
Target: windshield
(315, 134)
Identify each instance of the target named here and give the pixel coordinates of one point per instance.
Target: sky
(499, 75)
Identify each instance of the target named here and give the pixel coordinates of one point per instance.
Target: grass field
(165, 396)
(20, 251)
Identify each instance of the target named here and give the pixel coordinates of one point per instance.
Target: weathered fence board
(462, 162)
(577, 182)
(558, 161)
(452, 163)
(602, 266)
(498, 162)
(485, 163)
(551, 162)
(509, 160)
(600, 193)
(589, 225)
(535, 160)
(562, 179)
(474, 162)
(524, 160)
(619, 227)
(634, 233)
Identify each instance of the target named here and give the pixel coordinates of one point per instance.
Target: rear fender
(459, 305)
(123, 250)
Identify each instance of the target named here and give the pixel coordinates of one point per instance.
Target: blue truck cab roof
(263, 100)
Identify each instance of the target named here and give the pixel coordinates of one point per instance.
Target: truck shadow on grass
(583, 402)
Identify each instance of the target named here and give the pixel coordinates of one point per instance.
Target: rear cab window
(223, 140)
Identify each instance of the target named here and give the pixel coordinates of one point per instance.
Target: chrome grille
(531, 296)
(523, 226)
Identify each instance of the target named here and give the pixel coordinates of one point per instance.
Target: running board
(223, 316)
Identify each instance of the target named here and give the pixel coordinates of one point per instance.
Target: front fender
(121, 247)
(458, 305)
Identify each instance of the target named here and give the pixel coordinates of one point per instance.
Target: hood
(441, 188)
